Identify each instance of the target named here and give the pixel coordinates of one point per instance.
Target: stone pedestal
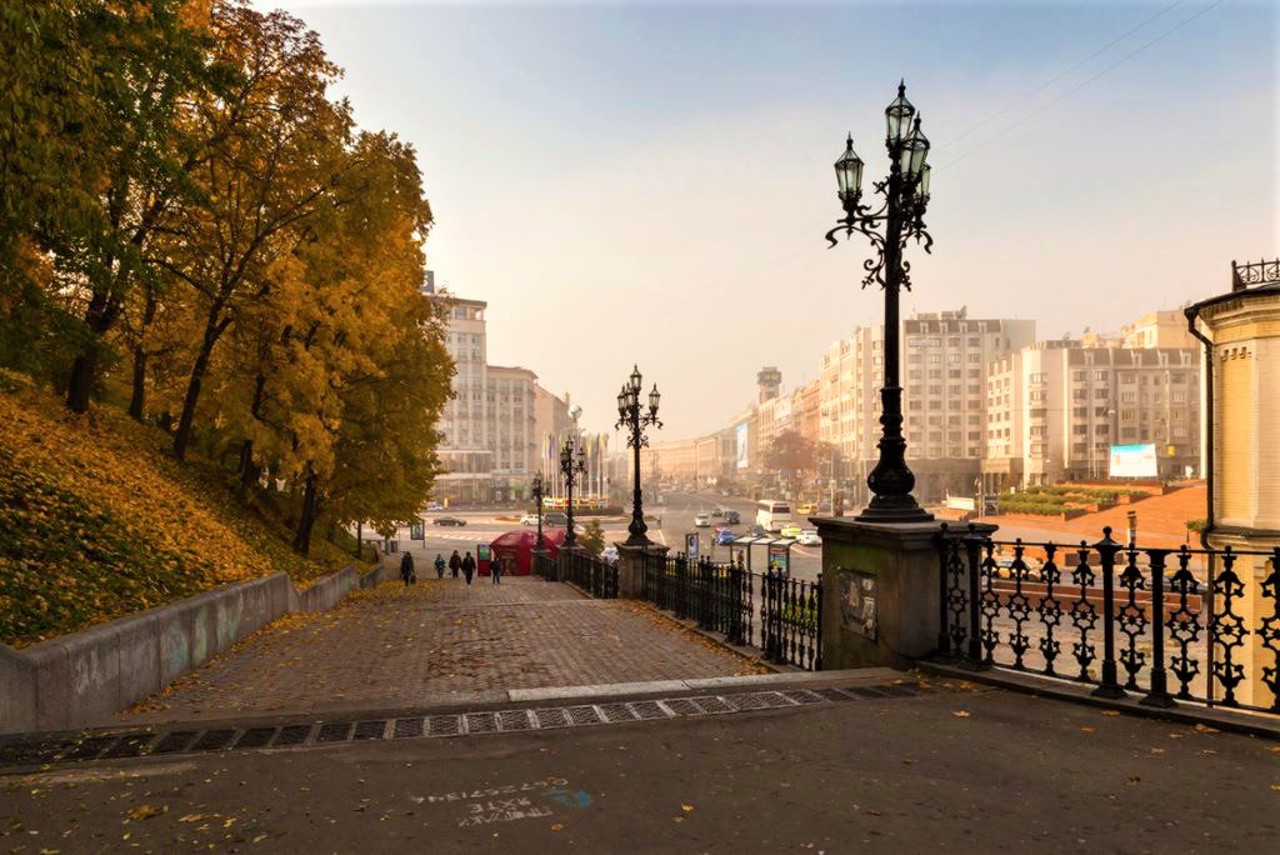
(631, 567)
(881, 600)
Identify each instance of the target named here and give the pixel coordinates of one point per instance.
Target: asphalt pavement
(959, 768)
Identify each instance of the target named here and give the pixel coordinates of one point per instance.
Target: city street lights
(906, 196)
(572, 464)
(631, 418)
(537, 497)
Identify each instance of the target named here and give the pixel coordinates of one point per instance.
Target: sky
(649, 183)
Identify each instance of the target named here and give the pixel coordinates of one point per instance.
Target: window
(1039, 377)
(935, 358)
(975, 372)
(1100, 375)
(915, 357)
(975, 357)
(1079, 375)
(954, 373)
(935, 373)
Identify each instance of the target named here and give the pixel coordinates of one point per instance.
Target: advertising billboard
(1133, 461)
(740, 437)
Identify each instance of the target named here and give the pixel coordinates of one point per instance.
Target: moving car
(435, 506)
(732, 518)
(809, 537)
(789, 530)
(529, 519)
(717, 512)
(724, 536)
(702, 521)
(555, 518)
(449, 521)
(807, 509)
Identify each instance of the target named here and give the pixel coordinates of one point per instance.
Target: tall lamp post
(631, 418)
(571, 465)
(899, 218)
(537, 498)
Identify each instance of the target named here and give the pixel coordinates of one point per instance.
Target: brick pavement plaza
(397, 647)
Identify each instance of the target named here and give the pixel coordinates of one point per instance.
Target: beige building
(1056, 409)
(1240, 332)
(511, 401)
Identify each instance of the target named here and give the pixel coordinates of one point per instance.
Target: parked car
(449, 521)
(732, 518)
(555, 519)
(717, 512)
(529, 519)
(702, 521)
(725, 536)
(434, 506)
(809, 537)
(789, 530)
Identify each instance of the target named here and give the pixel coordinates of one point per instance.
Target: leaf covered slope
(97, 522)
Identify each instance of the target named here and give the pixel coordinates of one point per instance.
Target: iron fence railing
(594, 575)
(544, 566)
(1185, 624)
(780, 616)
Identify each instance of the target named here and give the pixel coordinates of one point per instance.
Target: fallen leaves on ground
(146, 811)
(960, 713)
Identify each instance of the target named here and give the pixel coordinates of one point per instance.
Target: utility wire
(1043, 86)
(1084, 83)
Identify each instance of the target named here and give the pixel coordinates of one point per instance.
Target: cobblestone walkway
(396, 647)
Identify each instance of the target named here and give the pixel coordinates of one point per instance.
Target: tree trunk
(212, 331)
(138, 401)
(249, 472)
(84, 370)
(307, 519)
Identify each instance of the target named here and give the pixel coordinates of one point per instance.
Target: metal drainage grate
(294, 734)
(408, 728)
(443, 725)
(336, 732)
(550, 718)
(514, 720)
(370, 729)
(88, 747)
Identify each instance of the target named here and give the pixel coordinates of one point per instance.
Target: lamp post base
(894, 509)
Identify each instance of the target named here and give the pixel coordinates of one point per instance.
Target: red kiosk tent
(515, 549)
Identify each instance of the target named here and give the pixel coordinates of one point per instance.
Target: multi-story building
(512, 430)
(1055, 409)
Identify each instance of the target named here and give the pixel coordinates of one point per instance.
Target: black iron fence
(544, 565)
(779, 615)
(597, 577)
(1171, 624)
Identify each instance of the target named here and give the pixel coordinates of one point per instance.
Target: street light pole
(901, 216)
(537, 497)
(571, 465)
(634, 421)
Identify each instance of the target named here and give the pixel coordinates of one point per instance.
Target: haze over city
(650, 182)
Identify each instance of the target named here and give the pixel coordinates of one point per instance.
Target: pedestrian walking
(440, 564)
(455, 563)
(406, 569)
(468, 567)
(495, 570)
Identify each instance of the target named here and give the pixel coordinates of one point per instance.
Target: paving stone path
(396, 647)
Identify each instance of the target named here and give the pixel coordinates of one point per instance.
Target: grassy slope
(97, 521)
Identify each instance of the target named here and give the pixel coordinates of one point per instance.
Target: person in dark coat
(468, 567)
(440, 565)
(495, 570)
(455, 563)
(406, 568)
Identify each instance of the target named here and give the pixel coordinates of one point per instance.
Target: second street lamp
(537, 498)
(572, 465)
(898, 219)
(631, 418)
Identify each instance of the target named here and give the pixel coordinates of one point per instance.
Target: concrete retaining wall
(85, 677)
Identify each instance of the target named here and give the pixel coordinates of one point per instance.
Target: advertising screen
(1133, 461)
(740, 436)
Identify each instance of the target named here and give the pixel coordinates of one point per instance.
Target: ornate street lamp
(631, 418)
(537, 497)
(572, 464)
(898, 219)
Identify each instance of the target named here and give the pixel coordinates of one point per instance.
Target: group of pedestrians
(456, 564)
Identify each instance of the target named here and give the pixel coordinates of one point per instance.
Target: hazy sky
(650, 182)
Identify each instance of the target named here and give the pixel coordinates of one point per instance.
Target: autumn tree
(274, 142)
(790, 453)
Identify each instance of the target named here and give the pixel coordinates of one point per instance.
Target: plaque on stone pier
(858, 602)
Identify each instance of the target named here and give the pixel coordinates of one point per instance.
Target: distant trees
(189, 223)
(791, 453)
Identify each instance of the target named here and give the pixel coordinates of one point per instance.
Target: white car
(809, 537)
(702, 521)
(529, 519)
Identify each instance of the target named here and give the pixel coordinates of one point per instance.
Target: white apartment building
(1056, 408)
(943, 364)
(512, 428)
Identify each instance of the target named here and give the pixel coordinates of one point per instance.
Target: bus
(772, 515)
